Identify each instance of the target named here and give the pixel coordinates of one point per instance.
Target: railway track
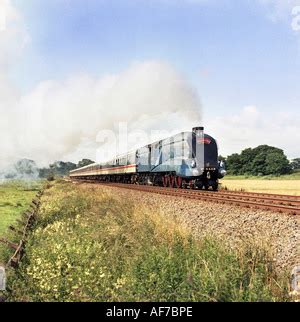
(279, 203)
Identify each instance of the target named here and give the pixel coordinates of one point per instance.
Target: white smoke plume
(60, 120)
(59, 117)
(23, 169)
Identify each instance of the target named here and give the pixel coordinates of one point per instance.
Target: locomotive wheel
(192, 184)
(178, 182)
(215, 186)
(165, 180)
(171, 181)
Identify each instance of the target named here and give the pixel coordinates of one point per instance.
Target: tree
(262, 160)
(246, 157)
(58, 168)
(277, 163)
(258, 165)
(295, 164)
(234, 164)
(84, 162)
(23, 169)
(61, 168)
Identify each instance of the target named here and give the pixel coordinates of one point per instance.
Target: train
(185, 160)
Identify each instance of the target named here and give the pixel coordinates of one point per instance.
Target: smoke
(23, 169)
(60, 120)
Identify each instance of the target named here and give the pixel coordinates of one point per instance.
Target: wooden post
(2, 278)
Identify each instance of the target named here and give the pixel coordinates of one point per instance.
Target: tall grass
(88, 246)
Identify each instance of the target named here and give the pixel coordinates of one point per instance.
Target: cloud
(251, 127)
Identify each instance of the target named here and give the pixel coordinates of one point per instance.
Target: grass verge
(89, 246)
(15, 197)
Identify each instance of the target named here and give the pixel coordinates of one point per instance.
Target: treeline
(60, 168)
(261, 161)
(27, 169)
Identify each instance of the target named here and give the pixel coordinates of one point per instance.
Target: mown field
(287, 184)
(89, 246)
(15, 197)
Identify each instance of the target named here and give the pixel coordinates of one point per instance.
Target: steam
(60, 120)
(23, 169)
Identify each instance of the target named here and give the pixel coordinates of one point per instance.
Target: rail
(278, 203)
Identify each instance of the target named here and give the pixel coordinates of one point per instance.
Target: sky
(72, 68)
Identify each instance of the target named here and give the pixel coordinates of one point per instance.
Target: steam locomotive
(185, 160)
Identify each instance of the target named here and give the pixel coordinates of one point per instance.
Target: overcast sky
(237, 62)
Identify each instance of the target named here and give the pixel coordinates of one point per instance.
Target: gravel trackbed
(232, 224)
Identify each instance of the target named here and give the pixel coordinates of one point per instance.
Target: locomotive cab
(205, 154)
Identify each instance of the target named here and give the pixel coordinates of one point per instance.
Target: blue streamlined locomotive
(187, 159)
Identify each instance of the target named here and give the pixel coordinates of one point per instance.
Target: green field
(15, 198)
(89, 246)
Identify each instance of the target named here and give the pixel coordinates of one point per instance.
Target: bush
(50, 178)
(260, 161)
